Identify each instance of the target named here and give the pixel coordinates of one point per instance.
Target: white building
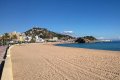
(54, 39)
(28, 38)
(38, 39)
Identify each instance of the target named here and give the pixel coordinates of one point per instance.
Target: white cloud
(68, 32)
(71, 33)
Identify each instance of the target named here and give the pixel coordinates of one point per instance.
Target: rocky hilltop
(85, 39)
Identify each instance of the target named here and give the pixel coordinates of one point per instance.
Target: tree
(6, 37)
(32, 40)
(89, 37)
(14, 36)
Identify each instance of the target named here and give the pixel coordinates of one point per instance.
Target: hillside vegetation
(86, 39)
(45, 34)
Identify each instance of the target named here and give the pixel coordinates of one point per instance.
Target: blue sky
(100, 18)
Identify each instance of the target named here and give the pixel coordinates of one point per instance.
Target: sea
(113, 46)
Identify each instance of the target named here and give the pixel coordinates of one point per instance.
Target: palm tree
(6, 36)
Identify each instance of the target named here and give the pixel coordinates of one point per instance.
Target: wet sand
(48, 62)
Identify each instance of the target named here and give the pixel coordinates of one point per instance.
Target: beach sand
(48, 62)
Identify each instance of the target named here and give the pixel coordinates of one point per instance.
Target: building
(28, 38)
(54, 39)
(38, 39)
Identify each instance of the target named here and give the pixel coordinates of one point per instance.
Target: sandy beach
(48, 62)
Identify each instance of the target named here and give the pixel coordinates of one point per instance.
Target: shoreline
(57, 44)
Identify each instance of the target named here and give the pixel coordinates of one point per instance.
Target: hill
(45, 34)
(86, 39)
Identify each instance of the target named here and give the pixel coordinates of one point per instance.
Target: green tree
(32, 40)
(6, 36)
(14, 36)
(5, 39)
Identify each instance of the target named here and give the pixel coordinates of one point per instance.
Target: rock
(80, 40)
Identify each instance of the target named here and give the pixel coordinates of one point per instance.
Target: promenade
(2, 52)
(2, 57)
(47, 62)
